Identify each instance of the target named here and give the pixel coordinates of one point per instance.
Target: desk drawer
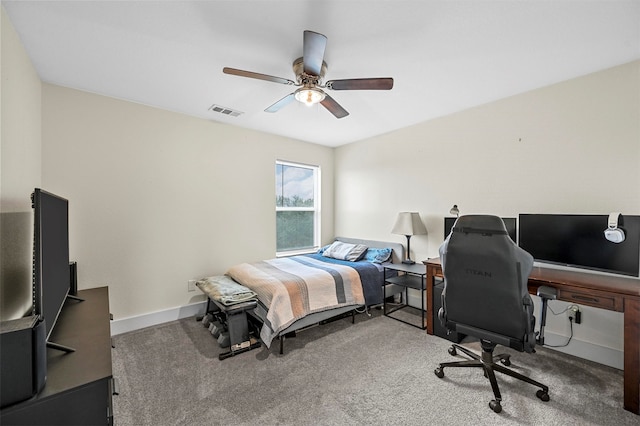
(595, 298)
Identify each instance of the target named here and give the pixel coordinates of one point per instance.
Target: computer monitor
(509, 223)
(578, 240)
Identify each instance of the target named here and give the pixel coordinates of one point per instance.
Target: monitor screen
(578, 241)
(509, 223)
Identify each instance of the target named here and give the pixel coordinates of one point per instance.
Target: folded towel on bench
(225, 290)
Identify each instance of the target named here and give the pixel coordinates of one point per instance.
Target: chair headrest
(480, 224)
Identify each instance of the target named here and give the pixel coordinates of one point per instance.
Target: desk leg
(632, 355)
(431, 273)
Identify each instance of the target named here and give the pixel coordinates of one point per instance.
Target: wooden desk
(619, 294)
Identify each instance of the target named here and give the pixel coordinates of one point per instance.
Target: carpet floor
(376, 371)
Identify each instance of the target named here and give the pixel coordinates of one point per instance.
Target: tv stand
(62, 348)
(76, 298)
(58, 346)
(79, 383)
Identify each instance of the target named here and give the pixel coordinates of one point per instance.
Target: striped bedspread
(293, 287)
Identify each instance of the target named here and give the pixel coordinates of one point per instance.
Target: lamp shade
(409, 223)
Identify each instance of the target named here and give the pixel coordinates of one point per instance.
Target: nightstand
(409, 276)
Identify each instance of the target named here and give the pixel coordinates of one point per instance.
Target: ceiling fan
(310, 70)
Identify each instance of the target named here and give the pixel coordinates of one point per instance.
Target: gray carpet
(376, 371)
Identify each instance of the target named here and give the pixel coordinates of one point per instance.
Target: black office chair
(486, 296)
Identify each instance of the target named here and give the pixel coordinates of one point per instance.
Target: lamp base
(408, 262)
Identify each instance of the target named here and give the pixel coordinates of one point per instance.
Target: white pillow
(345, 251)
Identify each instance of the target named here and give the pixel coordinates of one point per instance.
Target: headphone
(613, 233)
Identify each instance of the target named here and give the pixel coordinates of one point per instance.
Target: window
(297, 207)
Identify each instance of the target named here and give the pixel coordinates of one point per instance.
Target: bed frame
(325, 316)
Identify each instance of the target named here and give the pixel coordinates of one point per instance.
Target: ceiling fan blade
(242, 73)
(281, 103)
(314, 45)
(361, 84)
(334, 107)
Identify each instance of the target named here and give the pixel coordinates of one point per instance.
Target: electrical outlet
(191, 285)
(573, 311)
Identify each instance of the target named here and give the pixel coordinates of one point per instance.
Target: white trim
(587, 350)
(315, 209)
(578, 348)
(138, 322)
(297, 252)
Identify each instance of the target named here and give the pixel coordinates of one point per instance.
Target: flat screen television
(51, 276)
(509, 223)
(578, 241)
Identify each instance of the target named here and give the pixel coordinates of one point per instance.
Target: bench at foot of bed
(228, 323)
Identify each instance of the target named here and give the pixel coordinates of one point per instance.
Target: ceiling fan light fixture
(309, 95)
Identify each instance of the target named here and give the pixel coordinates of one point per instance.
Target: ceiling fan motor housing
(305, 79)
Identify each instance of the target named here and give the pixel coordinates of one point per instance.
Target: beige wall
(158, 198)
(20, 171)
(573, 147)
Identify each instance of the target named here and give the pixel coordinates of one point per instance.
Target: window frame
(316, 207)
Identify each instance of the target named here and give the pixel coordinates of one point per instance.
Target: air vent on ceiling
(224, 110)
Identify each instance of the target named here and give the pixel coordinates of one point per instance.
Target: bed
(299, 291)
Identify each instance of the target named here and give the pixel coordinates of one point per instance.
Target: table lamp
(408, 224)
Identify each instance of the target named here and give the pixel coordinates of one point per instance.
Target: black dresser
(79, 384)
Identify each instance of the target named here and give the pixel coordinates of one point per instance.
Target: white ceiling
(444, 56)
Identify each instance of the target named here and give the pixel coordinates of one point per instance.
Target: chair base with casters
(490, 363)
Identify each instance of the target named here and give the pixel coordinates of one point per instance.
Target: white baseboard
(586, 350)
(137, 322)
(578, 348)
